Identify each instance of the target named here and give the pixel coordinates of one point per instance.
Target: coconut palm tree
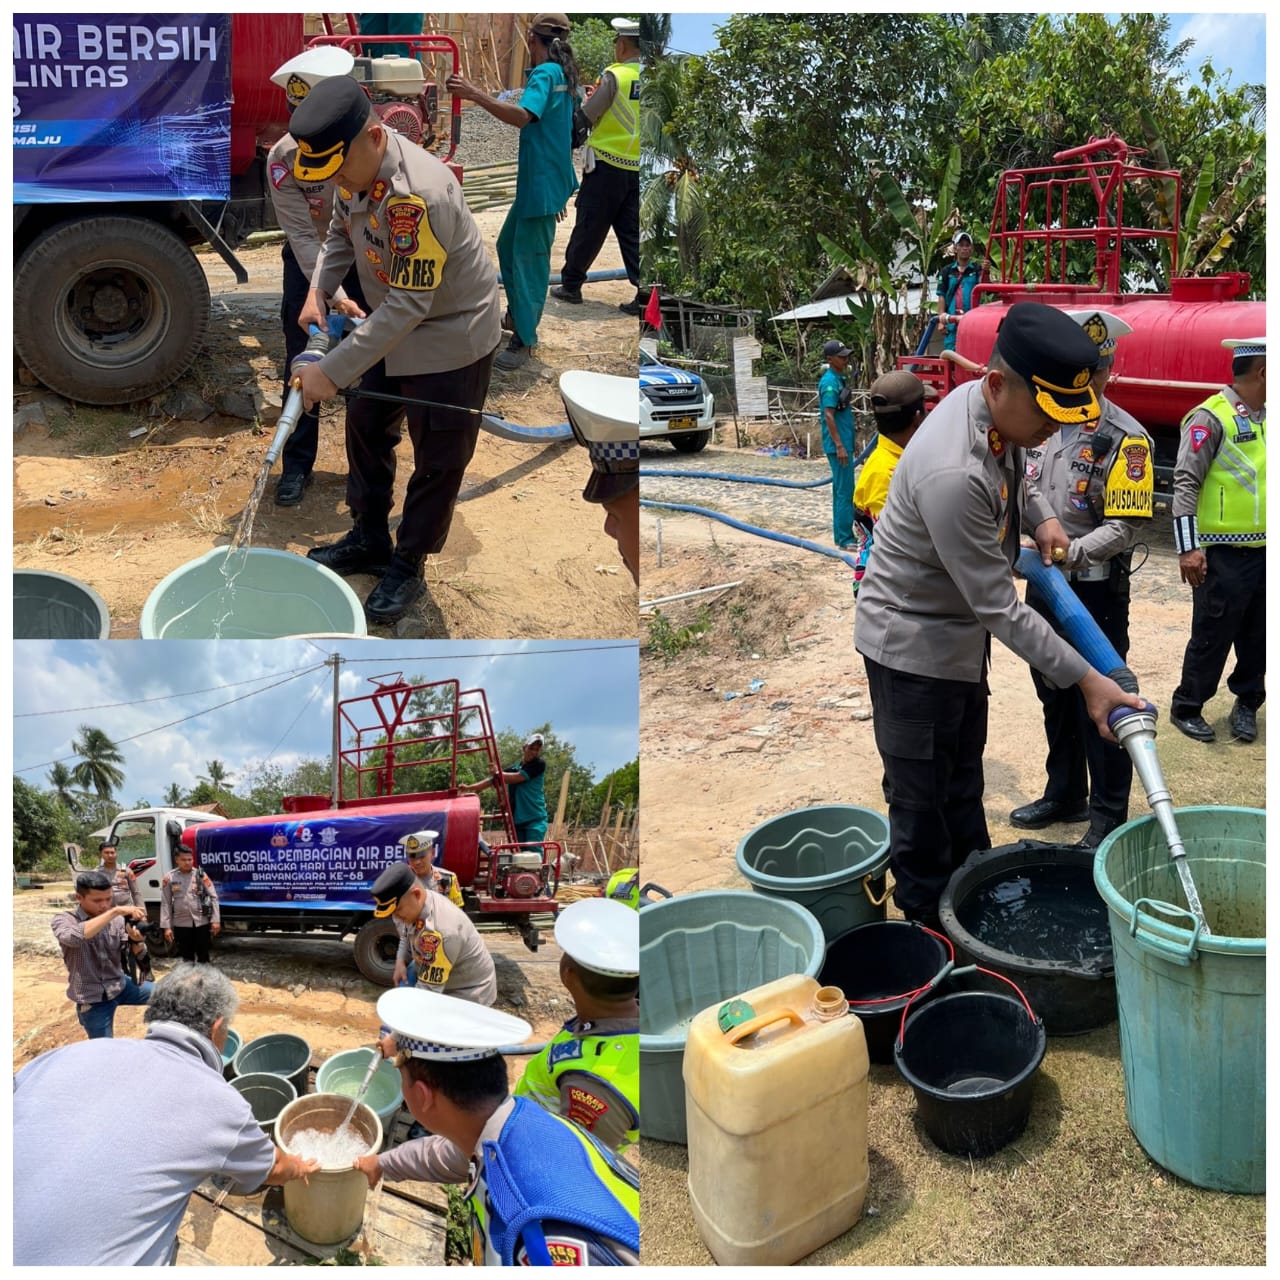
(62, 780)
(98, 769)
(173, 796)
(216, 775)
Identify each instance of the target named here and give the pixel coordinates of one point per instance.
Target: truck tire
(109, 310)
(375, 951)
(691, 442)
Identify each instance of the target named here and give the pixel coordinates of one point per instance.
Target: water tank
(260, 42)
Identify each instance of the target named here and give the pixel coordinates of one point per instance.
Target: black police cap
(390, 887)
(325, 124)
(1056, 357)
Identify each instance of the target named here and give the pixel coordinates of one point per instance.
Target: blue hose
(773, 536)
(614, 273)
(724, 475)
(525, 435)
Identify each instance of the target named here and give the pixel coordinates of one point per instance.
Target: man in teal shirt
(524, 786)
(955, 287)
(545, 178)
(834, 403)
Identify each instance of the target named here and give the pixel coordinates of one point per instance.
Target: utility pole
(334, 660)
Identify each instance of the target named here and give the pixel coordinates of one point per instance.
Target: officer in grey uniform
(941, 584)
(124, 884)
(189, 908)
(439, 938)
(1089, 495)
(431, 335)
(303, 211)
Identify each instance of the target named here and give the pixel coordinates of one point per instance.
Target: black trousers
(609, 198)
(1080, 762)
(443, 440)
(193, 942)
(299, 455)
(931, 735)
(1229, 608)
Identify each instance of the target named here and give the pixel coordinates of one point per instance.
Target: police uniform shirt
(941, 576)
(450, 956)
(303, 209)
(1065, 479)
(124, 887)
(180, 900)
(431, 288)
(1198, 446)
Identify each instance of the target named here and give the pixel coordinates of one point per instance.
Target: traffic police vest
(624, 887)
(613, 1058)
(1232, 510)
(544, 1169)
(616, 137)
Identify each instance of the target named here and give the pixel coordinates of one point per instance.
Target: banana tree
(878, 332)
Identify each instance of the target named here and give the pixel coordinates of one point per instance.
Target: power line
(163, 697)
(133, 737)
(310, 699)
(514, 653)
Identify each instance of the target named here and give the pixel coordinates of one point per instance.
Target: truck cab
(145, 840)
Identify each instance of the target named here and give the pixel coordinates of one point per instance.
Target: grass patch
(668, 641)
(95, 432)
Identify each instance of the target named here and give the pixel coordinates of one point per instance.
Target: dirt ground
(526, 556)
(1076, 1188)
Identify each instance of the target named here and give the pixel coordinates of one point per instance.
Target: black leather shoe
(289, 488)
(1092, 838)
(567, 295)
(633, 308)
(1043, 813)
(1196, 727)
(361, 551)
(515, 356)
(401, 585)
(1244, 722)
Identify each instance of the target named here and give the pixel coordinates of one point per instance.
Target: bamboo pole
(604, 808)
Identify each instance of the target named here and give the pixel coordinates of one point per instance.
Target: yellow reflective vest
(616, 136)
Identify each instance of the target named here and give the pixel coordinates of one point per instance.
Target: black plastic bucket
(880, 966)
(1066, 970)
(971, 1059)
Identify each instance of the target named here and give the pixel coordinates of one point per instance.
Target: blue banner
(121, 107)
(318, 860)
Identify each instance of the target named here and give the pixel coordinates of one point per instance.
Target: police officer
(541, 1190)
(624, 887)
(1088, 498)
(189, 908)
(610, 193)
(590, 1071)
(835, 400)
(609, 429)
(956, 283)
(438, 937)
(420, 850)
(950, 529)
(124, 884)
(430, 336)
(304, 211)
(1220, 531)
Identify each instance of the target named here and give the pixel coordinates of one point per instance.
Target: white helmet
(301, 74)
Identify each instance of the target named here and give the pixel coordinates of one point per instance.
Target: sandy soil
(526, 556)
(1078, 1189)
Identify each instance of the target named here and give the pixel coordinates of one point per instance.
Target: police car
(674, 405)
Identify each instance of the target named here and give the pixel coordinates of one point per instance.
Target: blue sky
(1231, 41)
(590, 696)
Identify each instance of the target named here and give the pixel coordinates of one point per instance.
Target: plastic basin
(696, 950)
(233, 1047)
(329, 1205)
(267, 1095)
(344, 1073)
(1031, 911)
(879, 966)
(275, 594)
(971, 1059)
(279, 1054)
(829, 859)
(51, 606)
(1193, 1009)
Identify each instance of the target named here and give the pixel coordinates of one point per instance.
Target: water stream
(238, 549)
(339, 1148)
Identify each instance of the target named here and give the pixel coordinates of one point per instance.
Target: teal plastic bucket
(267, 1096)
(830, 859)
(275, 594)
(696, 950)
(344, 1073)
(229, 1052)
(52, 606)
(1193, 1008)
(277, 1055)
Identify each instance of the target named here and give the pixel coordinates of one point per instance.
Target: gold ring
(1059, 555)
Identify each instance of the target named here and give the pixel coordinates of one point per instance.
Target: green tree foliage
(173, 796)
(40, 825)
(592, 39)
(216, 776)
(204, 792)
(622, 786)
(267, 784)
(62, 780)
(98, 769)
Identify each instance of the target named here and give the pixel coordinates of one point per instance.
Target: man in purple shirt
(91, 937)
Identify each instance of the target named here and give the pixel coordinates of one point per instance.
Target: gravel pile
(485, 140)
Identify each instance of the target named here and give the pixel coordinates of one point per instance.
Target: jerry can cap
(734, 1013)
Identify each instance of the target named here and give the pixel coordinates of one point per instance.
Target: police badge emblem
(403, 217)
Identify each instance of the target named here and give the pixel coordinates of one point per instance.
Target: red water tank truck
(1174, 357)
(117, 305)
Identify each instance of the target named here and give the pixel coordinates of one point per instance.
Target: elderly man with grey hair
(94, 1186)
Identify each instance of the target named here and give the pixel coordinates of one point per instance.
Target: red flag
(653, 312)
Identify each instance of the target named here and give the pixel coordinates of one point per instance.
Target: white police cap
(444, 1028)
(601, 935)
(1102, 328)
(1245, 347)
(629, 27)
(604, 413)
(301, 74)
(419, 840)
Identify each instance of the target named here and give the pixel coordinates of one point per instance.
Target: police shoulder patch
(1130, 482)
(565, 1051)
(417, 257)
(279, 172)
(1199, 436)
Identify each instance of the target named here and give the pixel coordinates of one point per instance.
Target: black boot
(401, 585)
(365, 549)
(289, 488)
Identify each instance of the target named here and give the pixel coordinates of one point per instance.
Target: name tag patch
(1130, 484)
